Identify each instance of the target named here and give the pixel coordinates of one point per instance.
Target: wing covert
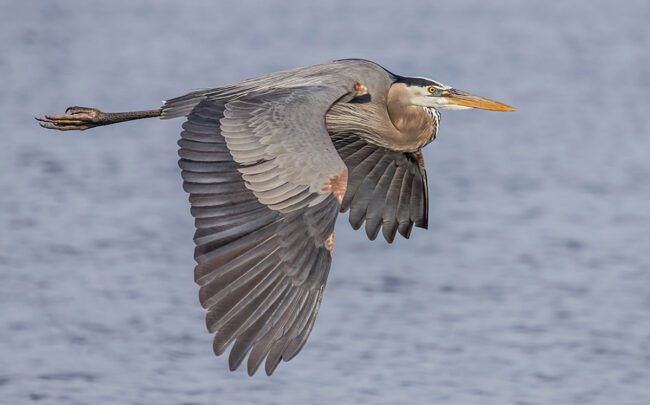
(280, 140)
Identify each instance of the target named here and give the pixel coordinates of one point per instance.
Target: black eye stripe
(417, 81)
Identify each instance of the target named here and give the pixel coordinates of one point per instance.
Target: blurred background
(532, 285)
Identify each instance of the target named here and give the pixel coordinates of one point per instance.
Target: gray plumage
(269, 163)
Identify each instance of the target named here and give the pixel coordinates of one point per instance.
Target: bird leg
(81, 118)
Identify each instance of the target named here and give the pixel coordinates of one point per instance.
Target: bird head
(431, 94)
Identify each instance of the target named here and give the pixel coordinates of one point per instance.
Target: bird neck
(373, 123)
(416, 123)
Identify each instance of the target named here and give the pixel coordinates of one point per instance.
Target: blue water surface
(530, 287)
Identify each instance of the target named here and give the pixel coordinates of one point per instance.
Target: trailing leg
(81, 118)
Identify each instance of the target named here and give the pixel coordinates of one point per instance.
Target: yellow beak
(462, 99)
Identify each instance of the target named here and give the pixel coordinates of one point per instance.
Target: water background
(532, 285)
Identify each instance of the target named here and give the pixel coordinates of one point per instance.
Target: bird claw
(75, 118)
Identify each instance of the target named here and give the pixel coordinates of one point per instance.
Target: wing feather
(392, 204)
(363, 196)
(389, 215)
(260, 246)
(266, 183)
(377, 201)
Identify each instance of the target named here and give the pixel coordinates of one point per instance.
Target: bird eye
(432, 90)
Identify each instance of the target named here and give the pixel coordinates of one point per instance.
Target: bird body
(269, 163)
(387, 119)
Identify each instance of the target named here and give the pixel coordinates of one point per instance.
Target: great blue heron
(269, 163)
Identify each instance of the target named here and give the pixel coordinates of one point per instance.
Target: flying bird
(269, 163)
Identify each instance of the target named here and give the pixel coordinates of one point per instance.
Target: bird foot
(76, 118)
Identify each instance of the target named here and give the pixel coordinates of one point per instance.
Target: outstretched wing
(265, 184)
(386, 189)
